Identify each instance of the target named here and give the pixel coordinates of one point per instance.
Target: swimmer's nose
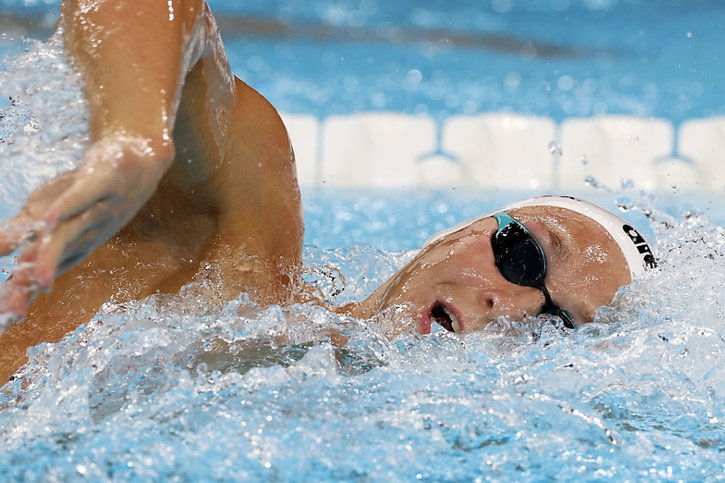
(514, 304)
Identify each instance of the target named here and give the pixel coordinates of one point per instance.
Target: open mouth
(445, 318)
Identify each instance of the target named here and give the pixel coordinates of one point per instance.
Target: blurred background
(558, 58)
(534, 94)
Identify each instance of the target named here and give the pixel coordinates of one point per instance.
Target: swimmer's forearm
(133, 56)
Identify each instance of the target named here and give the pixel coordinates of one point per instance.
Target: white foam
(44, 130)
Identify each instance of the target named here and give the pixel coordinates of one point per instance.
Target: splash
(191, 387)
(44, 124)
(176, 387)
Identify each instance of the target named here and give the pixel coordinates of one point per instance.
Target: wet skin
(454, 281)
(207, 175)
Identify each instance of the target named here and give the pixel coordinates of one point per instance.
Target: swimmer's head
(632, 244)
(552, 254)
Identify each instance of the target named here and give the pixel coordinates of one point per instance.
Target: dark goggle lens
(518, 256)
(521, 260)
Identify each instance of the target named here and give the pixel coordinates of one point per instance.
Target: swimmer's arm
(133, 57)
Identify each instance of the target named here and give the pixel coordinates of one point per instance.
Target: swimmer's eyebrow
(562, 251)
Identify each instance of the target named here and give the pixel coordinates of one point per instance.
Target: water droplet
(565, 83)
(625, 204)
(626, 184)
(555, 148)
(591, 181)
(414, 77)
(512, 81)
(583, 160)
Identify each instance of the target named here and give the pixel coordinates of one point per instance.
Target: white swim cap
(632, 244)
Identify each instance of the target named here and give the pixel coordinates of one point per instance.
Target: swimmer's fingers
(41, 198)
(55, 250)
(19, 290)
(10, 239)
(25, 225)
(48, 257)
(89, 188)
(70, 242)
(123, 171)
(66, 219)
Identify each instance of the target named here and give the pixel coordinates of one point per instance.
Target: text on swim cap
(642, 246)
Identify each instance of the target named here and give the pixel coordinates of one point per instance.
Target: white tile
(613, 148)
(376, 149)
(703, 141)
(502, 150)
(675, 175)
(304, 133)
(438, 171)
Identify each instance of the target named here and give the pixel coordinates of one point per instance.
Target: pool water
(554, 58)
(175, 387)
(558, 58)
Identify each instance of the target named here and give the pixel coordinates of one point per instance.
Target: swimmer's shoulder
(257, 112)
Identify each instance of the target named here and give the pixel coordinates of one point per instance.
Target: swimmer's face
(454, 280)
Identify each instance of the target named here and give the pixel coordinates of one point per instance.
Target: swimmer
(187, 167)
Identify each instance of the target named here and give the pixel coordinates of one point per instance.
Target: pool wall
(508, 150)
(382, 113)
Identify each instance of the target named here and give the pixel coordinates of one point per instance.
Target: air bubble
(555, 148)
(625, 204)
(592, 181)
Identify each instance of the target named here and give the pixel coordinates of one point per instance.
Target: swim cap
(634, 247)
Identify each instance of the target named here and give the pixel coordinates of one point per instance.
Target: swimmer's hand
(66, 219)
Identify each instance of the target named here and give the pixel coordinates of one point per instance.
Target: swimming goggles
(521, 260)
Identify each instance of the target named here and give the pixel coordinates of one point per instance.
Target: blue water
(176, 387)
(648, 58)
(640, 57)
